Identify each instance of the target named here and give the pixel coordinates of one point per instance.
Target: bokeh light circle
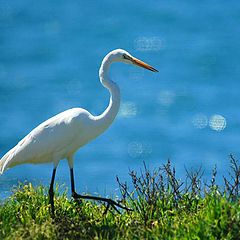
(200, 121)
(217, 122)
(127, 110)
(139, 149)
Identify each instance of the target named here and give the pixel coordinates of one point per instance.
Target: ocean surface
(50, 53)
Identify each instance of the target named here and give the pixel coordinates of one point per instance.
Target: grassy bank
(163, 208)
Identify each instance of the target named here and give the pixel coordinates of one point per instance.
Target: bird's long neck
(107, 117)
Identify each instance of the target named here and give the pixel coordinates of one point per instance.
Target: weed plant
(164, 207)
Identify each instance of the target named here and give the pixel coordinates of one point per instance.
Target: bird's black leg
(74, 194)
(109, 201)
(51, 193)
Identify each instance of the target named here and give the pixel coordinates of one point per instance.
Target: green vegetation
(163, 208)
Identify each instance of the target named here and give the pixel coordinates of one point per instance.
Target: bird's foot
(76, 198)
(110, 202)
(114, 205)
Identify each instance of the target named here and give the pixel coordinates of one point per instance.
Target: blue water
(50, 52)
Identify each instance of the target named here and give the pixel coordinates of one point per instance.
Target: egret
(62, 135)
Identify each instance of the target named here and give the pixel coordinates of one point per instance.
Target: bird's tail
(4, 163)
(1, 166)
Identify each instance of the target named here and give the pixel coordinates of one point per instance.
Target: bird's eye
(126, 57)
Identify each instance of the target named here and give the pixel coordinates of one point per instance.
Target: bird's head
(120, 55)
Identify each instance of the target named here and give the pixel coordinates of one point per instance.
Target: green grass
(163, 208)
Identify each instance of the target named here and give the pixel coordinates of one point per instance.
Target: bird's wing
(46, 139)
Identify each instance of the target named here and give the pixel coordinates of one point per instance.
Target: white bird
(62, 135)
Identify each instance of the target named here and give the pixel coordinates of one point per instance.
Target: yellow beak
(143, 64)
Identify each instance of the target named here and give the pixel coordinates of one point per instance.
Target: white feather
(53, 140)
